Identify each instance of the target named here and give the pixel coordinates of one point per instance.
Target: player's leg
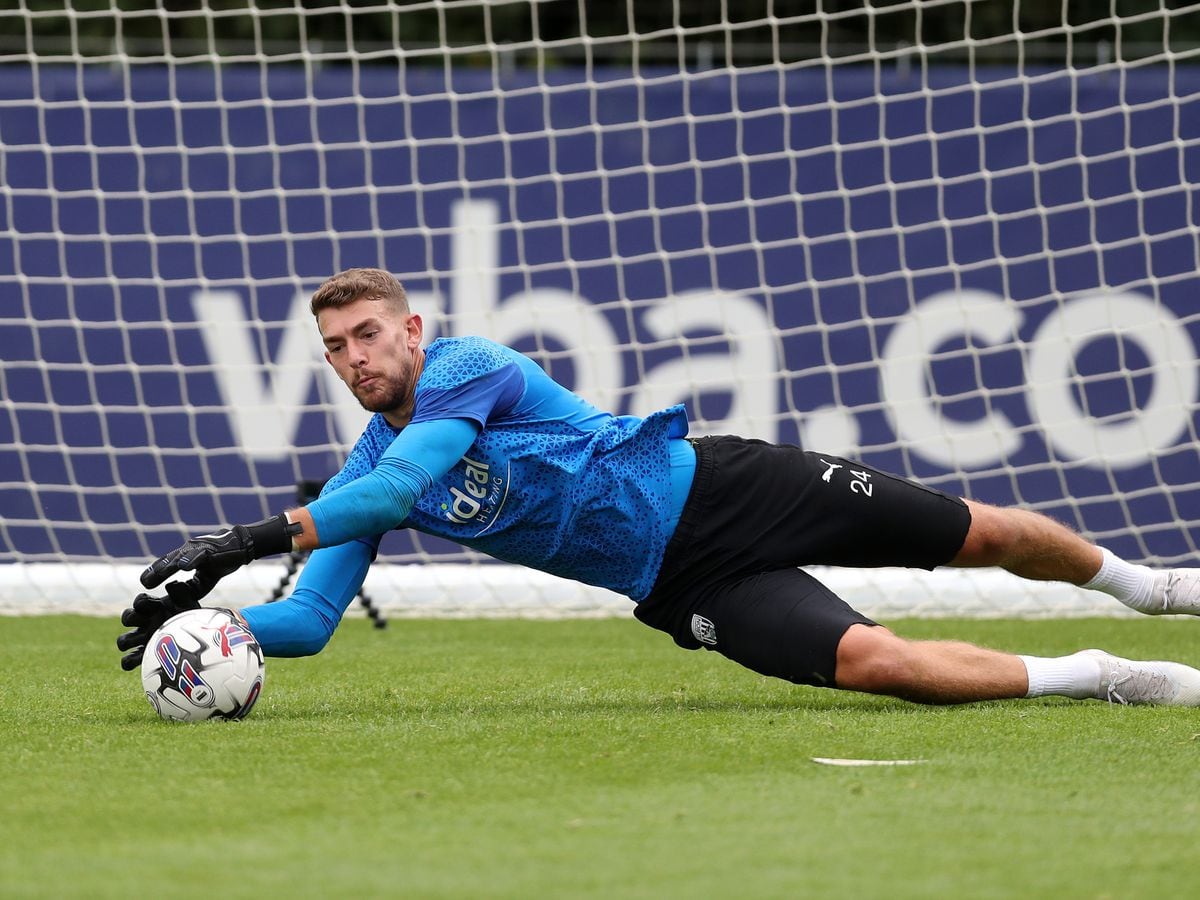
(1037, 547)
(788, 625)
(1027, 544)
(822, 509)
(874, 660)
(782, 623)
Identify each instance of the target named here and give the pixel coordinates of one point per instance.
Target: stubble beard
(385, 395)
(389, 392)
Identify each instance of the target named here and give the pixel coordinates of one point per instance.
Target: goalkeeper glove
(213, 556)
(147, 615)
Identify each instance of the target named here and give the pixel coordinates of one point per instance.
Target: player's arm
(355, 512)
(302, 624)
(442, 430)
(381, 500)
(450, 414)
(367, 506)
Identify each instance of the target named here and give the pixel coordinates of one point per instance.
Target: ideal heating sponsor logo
(480, 498)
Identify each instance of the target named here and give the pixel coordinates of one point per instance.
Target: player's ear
(415, 328)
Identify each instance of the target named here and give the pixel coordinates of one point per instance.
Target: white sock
(1133, 585)
(1076, 676)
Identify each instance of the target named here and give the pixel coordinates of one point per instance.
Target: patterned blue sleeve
(477, 399)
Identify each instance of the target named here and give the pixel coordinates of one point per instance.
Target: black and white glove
(147, 615)
(213, 556)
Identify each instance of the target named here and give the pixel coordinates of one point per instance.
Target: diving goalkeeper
(473, 442)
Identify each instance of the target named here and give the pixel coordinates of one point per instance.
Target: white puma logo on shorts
(828, 476)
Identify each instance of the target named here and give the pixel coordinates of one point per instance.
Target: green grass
(583, 759)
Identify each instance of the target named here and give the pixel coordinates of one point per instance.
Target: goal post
(956, 239)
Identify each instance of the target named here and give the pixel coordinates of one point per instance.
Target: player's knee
(874, 660)
(994, 532)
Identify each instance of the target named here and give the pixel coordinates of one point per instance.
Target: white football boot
(1176, 591)
(1153, 682)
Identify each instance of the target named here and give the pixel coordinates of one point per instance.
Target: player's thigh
(852, 514)
(783, 623)
(771, 506)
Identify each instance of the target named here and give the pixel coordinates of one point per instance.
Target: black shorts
(730, 580)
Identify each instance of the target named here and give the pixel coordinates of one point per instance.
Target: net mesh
(955, 239)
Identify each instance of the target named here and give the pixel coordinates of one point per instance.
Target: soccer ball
(203, 664)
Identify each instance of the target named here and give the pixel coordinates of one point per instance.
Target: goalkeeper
(473, 442)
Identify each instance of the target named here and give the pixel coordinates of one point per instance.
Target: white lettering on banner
(1172, 361)
(748, 373)
(903, 373)
(1051, 352)
(544, 313)
(264, 402)
(264, 397)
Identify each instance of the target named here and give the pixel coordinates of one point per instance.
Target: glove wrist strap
(270, 536)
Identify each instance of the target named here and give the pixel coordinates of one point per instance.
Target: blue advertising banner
(986, 280)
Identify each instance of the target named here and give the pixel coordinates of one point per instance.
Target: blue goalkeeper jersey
(549, 482)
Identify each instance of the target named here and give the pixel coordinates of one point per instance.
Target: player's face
(377, 351)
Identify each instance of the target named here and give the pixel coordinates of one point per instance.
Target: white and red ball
(203, 664)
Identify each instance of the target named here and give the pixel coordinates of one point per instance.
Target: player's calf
(876, 661)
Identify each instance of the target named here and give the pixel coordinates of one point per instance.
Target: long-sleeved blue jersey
(500, 458)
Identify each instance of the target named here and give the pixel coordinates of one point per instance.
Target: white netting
(956, 239)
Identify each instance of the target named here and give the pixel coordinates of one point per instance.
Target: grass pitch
(584, 759)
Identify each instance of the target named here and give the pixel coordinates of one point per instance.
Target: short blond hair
(352, 285)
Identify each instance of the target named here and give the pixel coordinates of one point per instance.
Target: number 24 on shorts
(860, 482)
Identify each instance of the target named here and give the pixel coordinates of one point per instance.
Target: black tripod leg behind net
(373, 611)
(292, 564)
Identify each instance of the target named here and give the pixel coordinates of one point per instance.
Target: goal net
(957, 240)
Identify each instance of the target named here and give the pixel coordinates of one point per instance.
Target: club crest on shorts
(704, 630)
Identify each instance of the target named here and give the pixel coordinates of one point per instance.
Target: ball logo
(251, 699)
(198, 692)
(229, 636)
(181, 673)
(167, 652)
